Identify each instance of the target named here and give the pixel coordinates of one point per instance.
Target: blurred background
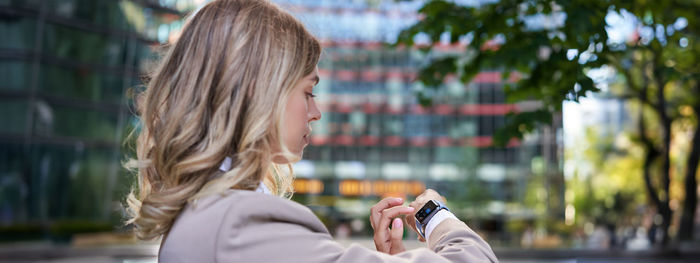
(602, 163)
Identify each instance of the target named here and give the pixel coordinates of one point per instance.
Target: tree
(552, 60)
(604, 185)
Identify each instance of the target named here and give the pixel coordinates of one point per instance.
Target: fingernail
(399, 199)
(397, 222)
(411, 208)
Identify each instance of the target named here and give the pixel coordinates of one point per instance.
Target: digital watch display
(427, 212)
(423, 214)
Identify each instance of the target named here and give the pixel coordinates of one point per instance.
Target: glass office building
(65, 69)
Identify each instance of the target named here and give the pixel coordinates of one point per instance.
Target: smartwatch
(427, 212)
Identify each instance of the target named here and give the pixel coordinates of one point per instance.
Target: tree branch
(656, 64)
(649, 157)
(691, 197)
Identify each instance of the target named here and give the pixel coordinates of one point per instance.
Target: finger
(376, 210)
(381, 232)
(396, 237)
(380, 244)
(410, 221)
(381, 240)
(391, 213)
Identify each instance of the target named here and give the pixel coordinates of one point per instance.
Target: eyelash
(310, 95)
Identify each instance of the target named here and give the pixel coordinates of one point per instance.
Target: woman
(229, 107)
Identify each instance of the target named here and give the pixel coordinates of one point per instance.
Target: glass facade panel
(13, 115)
(24, 3)
(81, 46)
(101, 13)
(448, 154)
(83, 83)
(72, 180)
(13, 186)
(53, 120)
(18, 33)
(15, 74)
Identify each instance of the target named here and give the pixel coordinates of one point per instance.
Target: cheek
(299, 111)
(296, 118)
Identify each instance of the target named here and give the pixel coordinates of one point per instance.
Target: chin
(298, 154)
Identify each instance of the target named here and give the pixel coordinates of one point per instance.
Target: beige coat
(245, 226)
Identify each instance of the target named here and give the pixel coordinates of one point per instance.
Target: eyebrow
(315, 79)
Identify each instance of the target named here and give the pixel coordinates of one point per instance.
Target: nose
(314, 112)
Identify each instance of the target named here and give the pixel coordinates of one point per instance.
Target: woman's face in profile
(301, 110)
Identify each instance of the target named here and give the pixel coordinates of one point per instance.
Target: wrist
(440, 216)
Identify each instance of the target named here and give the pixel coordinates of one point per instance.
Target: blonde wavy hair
(220, 91)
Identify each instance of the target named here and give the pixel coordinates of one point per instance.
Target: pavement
(35, 252)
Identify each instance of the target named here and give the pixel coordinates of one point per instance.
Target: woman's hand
(384, 213)
(427, 195)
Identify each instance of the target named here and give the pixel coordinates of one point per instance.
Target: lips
(306, 136)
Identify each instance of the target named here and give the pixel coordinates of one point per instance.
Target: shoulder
(255, 224)
(202, 226)
(248, 207)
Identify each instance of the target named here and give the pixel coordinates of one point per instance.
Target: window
(485, 125)
(419, 155)
(82, 46)
(416, 125)
(15, 75)
(14, 113)
(74, 122)
(448, 154)
(81, 83)
(18, 33)
(393, 125)
(394, 154)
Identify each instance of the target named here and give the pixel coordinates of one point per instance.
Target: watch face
(424, 212)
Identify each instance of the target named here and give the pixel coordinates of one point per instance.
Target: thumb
(397, 237)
